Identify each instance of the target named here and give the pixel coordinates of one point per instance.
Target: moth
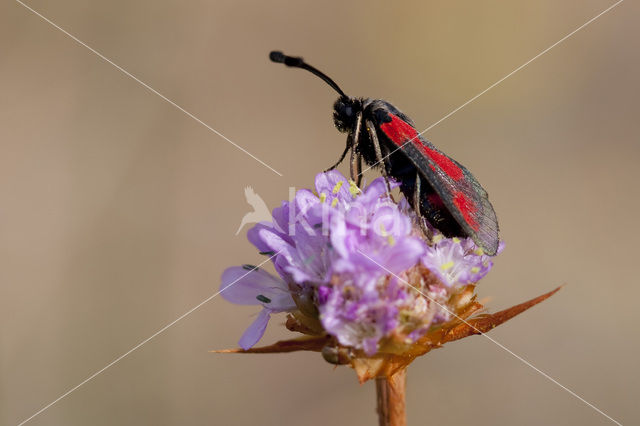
(439, 189)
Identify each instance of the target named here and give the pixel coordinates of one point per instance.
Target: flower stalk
(390, 393)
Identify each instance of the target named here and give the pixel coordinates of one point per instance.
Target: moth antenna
(297, 62)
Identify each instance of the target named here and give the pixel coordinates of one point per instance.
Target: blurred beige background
(118, 212)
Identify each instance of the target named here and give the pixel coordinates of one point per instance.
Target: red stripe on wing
(467, 207)
(400, 132)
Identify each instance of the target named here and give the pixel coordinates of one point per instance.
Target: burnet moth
(438, 188)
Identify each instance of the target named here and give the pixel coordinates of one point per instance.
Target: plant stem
(391, 399)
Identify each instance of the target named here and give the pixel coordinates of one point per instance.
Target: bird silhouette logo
(260, 211)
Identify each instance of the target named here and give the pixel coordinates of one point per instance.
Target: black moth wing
(462, 195)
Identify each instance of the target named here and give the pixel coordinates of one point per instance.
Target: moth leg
(356, 167)
(417, 207)
(356, 157)
(379, 158)
(352, 144)
(344, 154)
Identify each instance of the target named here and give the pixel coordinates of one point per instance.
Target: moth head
(345, 113)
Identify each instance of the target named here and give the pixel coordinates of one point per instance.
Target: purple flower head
(351, 253)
